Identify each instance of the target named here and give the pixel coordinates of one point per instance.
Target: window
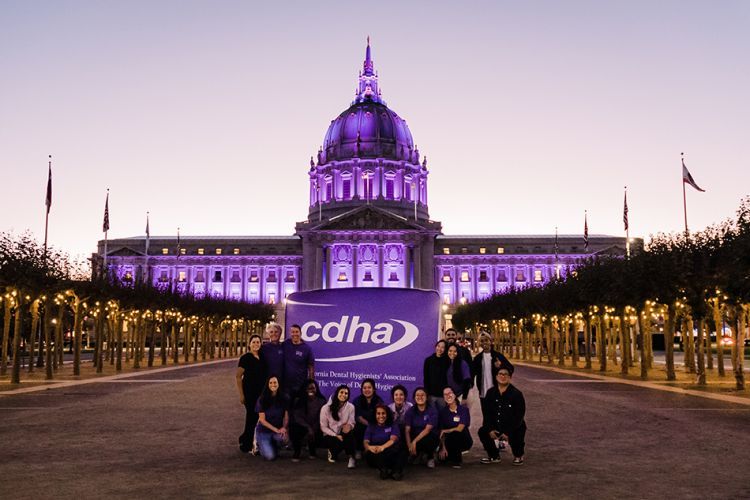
(446, 277)
(393, 276)
(329, 188)
(346, 189)
(235, 277)
(253, 276)
(482, 250)
(199, 278)
(163, 277)
(367, 184)
(342, 276)
(483, 276)
(464, 250)
(236, 251)
(165, 251)
(501, 275)
(446, 298)
(389, 188)
(218, 251)
(464, 276)
(520, 276)
(537, 275)
(217, 276)
(183, 251)
(271, 298)
(446, 251)
(182, 277)
(289, 277)
(500, 250)
(271, 277)
(201, 251)
(128, 276)
(368, 276)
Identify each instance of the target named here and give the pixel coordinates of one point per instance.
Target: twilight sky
(206, 113)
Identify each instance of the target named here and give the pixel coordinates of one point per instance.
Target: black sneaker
(398, 475)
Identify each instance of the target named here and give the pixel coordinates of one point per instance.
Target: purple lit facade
(368, 225)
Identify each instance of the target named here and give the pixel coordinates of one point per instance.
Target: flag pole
(106, 231)
(148, 243)
(627, 226)
(48, 202)
(684, 198)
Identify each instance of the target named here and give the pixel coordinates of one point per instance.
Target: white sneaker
(330, 457)
(358, 455)
(352, 463)
(431, 463)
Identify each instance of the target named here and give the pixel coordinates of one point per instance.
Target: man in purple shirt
(299, 361)
(273, 353)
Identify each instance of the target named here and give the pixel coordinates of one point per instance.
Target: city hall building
(368, 225)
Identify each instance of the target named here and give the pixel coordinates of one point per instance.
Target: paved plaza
(173, 433)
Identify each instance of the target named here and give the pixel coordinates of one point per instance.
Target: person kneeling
(273, 420)
(337, 426)
(421, 423)
(504, 413)
(454, 422)
(381, 445)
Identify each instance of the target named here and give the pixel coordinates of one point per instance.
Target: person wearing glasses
(504, 412)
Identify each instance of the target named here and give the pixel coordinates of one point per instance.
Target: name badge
(456, 418)
(387, 429)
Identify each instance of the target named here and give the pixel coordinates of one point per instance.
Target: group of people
(284, 406)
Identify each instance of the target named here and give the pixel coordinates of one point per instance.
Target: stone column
(407, 268)
(355, 256)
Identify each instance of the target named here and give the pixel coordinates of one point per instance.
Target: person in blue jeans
(273, 419)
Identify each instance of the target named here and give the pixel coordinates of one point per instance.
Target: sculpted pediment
(368, 218)
(124, 252)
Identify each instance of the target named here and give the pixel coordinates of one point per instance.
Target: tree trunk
(163, 351)
(7, 316)
(118, 333)
(137, 327)
(669, 321)
(176, 343)
(47, 343)
(625, 343)
(719, 337)
(15, 376)
(99, 326)
(701, 368)
(587, 341)
(151, 343)
(643, 324)
(739, 342)
(574, 341)
(34, 309)
(77, 327)
(59, 341)
(603, 340)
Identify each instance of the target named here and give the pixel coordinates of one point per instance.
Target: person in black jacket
(485, 364)
(503, 419)
(435, 368)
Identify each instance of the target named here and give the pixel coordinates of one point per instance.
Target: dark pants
(392, 458)
(248, 435)
(516, 440)
(359, 436)
(427, 444)
(299, 434)
(455, 443)
(335, 446)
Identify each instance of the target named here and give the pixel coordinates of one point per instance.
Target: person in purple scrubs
(299, 362)
(364, 405)
(273, 419)
(381, 445)
(273, 352)
(421, 429)
(454, 421)
(458, 374)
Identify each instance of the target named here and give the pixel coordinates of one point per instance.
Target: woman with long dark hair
(337, 425)
(454, 421)
(273, 419)
(421, 429)
(381, 444)
(458, 374)
(250, 378)
(435, 380)
(364, 406)
(305, 422)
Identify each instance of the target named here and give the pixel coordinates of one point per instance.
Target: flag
(687, 178)
(148, 234)
(48, 200)
(625, 211)
(557, 247)
(585, 232)
(178, 242)
(105, 224)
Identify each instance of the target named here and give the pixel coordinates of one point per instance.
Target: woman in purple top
(305, 421)
(381, 445)
(273, 420)
(454, 422)
(364, 406)
(420, 432)
(458, 374)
